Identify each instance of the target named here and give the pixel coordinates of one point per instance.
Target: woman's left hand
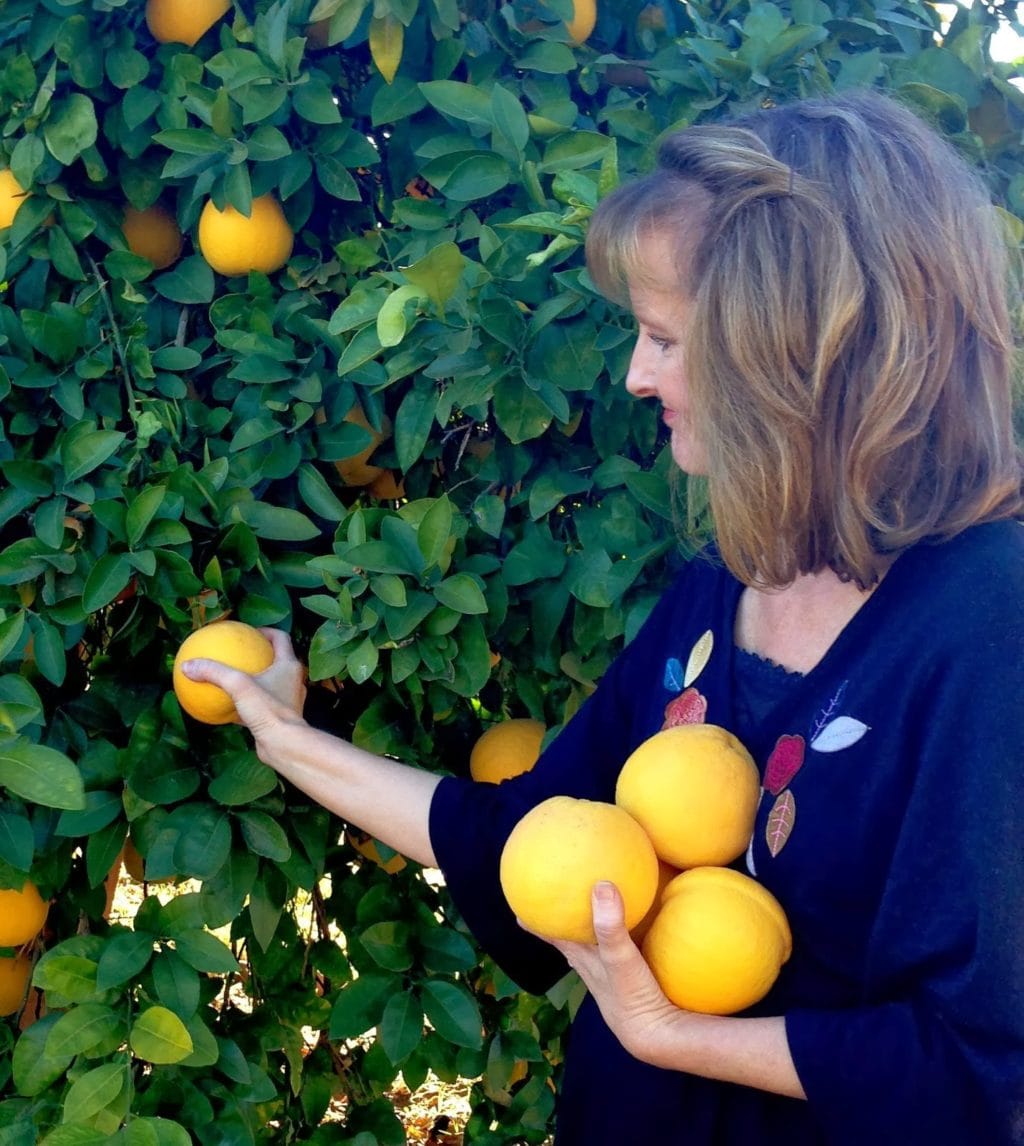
(624, 988)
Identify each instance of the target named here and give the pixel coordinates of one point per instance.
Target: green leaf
(401, 1026)
(461, 593)
(265, 836)
(245, 779)
(453, 1013)
(314, 102)
(318, 495)
(124, 957)
(154, 1132)
(392, 318)
(70, 128)
(413, 422)
(159, 1036)
(438, 273)
(71, 976)
(476, 176)
(204, 842)
(177, 984)
(509, 117)
(459, 101)
(190, 281)
(81, 1029)
(33, 1068)
(86, 449)
(58, 333)
(574, 150)
(360, 1004)
(17, 840)
(94, 1090)
(205, 952)
(435, 531)
(388, 944)
(106, 579)
(275, 522)
(520, 413)
(41, 775)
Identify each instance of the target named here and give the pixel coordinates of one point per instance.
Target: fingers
(281, 642)
(206, 671)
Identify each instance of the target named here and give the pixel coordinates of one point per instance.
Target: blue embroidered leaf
(673, 675)
(838, 734)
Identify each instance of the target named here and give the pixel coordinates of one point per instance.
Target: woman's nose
(639, 377)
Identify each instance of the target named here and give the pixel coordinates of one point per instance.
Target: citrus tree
(294, 329)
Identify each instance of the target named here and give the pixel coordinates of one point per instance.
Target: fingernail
(604, 892)
(187, 667)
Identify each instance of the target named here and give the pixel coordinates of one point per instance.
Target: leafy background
(168, 444)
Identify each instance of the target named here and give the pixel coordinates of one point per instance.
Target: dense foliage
(174, 448)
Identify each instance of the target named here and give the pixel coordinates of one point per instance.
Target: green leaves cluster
(174, 448)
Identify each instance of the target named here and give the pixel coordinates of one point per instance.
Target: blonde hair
(851, 354)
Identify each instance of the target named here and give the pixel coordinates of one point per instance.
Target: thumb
(609, 918)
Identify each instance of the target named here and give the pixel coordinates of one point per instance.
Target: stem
(115, 331)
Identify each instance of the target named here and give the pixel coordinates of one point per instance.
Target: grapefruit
(230, 642)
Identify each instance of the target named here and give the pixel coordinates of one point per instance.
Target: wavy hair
(851, 348)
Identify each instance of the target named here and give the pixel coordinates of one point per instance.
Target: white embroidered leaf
(838, 734)
(700, 654)
(751, 867)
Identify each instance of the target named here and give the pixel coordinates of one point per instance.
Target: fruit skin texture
(559, 850)
(12, 195)
(235, 245)
(506, 749)
(22, 915)
(183, 21)
(230, 642)
(14, 975)
(695, 789)
(718, 941)
(153, 234)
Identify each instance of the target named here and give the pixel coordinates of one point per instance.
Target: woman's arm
(388, 799)
(749, 1051)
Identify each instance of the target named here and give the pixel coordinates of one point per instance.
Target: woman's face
(658, 366)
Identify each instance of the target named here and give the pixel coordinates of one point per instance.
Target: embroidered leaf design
(700, 654)
(828, 711)
(838, 734)
(687, 708)
(673, 675)
(783, 764)
(780, 822)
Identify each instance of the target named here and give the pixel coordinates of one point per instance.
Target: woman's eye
(661, 343)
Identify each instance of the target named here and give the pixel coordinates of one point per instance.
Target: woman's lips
(668, 416)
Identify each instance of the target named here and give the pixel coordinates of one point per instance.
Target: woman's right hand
(268, 703)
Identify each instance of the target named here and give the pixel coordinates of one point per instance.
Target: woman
(820, 296)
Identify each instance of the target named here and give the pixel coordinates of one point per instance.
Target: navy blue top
(891, 829)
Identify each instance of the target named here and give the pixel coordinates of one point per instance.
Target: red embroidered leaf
(780, 822)
(786, 760)
(689, 707)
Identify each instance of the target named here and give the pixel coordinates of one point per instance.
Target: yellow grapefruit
(153, 234)
(695, 789)
(22, 915)
(718, 941)
(559, 850)
(14, 976)
(230, 642)
(584, 20)
(235, 245)
(12, 195)
(183, 21)
(387, 487)
(506, 749)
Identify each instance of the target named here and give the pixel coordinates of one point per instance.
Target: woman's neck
(797, 625)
